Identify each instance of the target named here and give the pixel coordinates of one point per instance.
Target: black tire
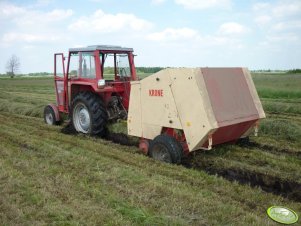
(245, 141)
(90, 106)
(166, 149)
(49, 116)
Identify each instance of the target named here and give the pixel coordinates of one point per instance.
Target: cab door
(59, 81)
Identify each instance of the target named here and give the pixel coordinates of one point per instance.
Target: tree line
(13, 67)
(294, 71)
(139, 70)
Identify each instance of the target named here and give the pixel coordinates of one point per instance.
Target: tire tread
(174, 147)
(98, 112)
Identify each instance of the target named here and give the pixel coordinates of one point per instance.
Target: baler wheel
(49, 116)
(88, 114)
(166, 149)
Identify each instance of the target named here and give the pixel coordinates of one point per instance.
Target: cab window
(82, 65)
(88, 65)
(74, 65)
(123, 65)
(115, 65)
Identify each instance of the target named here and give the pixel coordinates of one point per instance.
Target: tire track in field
(279, 187)
(272, 184)
(271, 148)
(124, 189)
(276, 185)
(167, 171)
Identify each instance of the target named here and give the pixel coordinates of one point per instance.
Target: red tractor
(94, 88)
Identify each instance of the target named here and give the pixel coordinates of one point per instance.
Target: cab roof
(102, 47)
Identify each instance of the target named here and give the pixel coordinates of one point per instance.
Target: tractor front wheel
(88, 114)
(49, 116)
(166, 149)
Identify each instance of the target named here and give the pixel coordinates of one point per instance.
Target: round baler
(199, 107)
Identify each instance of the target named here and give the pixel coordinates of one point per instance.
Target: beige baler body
(211, 105)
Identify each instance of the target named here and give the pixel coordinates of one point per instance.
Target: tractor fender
(56, 111)
(77, 88)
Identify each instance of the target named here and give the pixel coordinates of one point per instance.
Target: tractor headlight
(101, 83)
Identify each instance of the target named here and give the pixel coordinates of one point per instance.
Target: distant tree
(294, 71)
(148, 69)
(13, 66)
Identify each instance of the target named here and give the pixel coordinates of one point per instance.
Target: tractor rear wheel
(166, 149)
(88, 114)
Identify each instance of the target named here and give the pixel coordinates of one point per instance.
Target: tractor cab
(111, 63)
(101, 71)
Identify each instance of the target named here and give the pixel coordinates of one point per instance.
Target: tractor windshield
(123, 65)
(115, 65)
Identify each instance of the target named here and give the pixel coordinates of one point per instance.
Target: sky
(167, 33)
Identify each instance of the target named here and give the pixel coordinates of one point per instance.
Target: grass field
(51, 178)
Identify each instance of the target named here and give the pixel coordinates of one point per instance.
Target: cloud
(279, 8)
(180, 37)
(288, 25)
(28, 38)
(157, 2)
(38, 18)
(58, 14)
(28, 15)
(204, 4)
(41, 3)
(280, 20)
(281, 25)
(233, 28)
(286, 8)
(102, 22)
(173, 34)
(10, 10)
(262, 20)
(261, 6)
(30, 25)
(287, 37)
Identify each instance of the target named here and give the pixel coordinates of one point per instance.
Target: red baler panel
(230, 133)
(229, 95)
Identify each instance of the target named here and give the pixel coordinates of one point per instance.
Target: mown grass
(280, 95)
(51, 178)
(47, 177)
(280, 106)
(26, 96)
(277, 165)
(281, 128)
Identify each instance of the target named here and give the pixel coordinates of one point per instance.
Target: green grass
(26, 96)
(281, 86)
(279, 93)
(279, 106)
(281, 128)
(50, 178)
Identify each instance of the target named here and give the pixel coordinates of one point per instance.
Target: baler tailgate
(229, 95)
